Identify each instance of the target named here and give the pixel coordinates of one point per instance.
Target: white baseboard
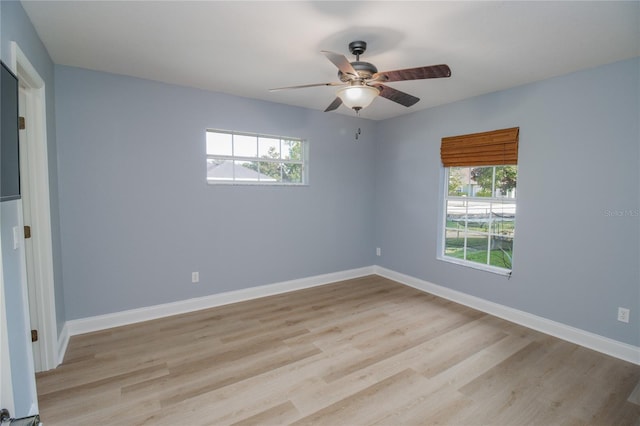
(116, 319)
(63, 342)
(580, 337)
(33, 410)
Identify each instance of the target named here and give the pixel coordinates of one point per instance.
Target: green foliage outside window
(505, 179)
(281, 171)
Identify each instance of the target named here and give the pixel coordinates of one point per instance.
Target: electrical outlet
(623, 314)
(378, 251)
(195, 277)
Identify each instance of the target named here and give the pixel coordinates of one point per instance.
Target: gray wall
(137, 216)
(17, 27)
(576, 252)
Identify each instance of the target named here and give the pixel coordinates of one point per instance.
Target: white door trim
(25, 103)
(38, 176)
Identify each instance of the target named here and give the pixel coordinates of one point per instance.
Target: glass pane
(504, 217)
(218, 170)
(506, 179)
(481, 181)
(456, 213)
(478, 215)
(292, 150)
(270, 172)
(246, 171)
(269, 147)
(501, 251)
(245, 146)
(218, 143)
(454, 243)
(292, 173)
(459, 181)
(477, 248)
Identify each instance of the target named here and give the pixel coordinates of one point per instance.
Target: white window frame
(303, 161)
(443, 225)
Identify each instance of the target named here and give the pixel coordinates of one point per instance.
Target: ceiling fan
(361, 82)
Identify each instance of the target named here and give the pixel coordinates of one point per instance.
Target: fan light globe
(358, 97)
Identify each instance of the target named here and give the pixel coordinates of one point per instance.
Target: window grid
(248, 158)
(478, 231)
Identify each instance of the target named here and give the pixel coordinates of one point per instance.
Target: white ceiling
(245, 48)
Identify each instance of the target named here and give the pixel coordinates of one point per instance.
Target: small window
(245, 158)
(479, 210)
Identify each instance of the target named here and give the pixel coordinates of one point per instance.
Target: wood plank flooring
(366, 351)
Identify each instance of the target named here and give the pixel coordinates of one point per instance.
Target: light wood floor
(360, 352)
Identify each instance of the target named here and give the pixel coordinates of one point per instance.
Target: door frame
(25, 103)
(42, 284)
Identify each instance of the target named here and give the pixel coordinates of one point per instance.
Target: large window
(479, 210)
(480, 214)
(255, 159)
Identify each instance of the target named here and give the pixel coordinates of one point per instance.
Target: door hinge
(21, 123)
(34, 336)
(27, 232)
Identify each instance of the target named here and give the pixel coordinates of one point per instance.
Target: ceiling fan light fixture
(358, 96)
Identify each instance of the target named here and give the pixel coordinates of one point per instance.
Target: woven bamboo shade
(498, 147)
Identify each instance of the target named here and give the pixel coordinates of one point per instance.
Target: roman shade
(495, 148)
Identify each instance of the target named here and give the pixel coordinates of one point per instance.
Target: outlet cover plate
(623, 315)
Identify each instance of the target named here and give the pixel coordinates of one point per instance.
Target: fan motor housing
(365, 71)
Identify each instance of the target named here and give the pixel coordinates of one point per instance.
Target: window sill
(473, 265)
(239, 183)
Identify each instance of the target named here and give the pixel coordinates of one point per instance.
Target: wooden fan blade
(419, 73)
(397, 96)
(341, 62)
(307, 85)
(334, 105)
